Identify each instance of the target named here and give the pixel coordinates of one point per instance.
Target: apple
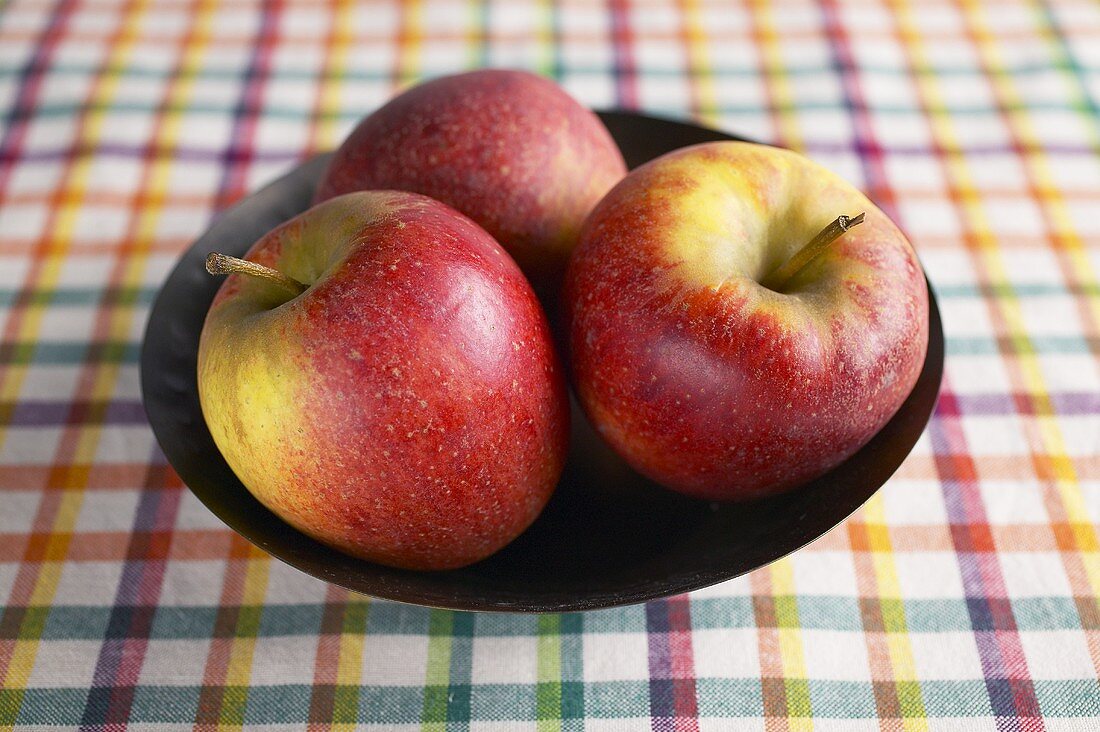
(509, 149)
(725, 338)
(379, 374)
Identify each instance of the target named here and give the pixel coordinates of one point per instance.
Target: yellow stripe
(239, 672)
(902, 663)
(789, 631)
(1064, 474)
(349, 667)
(329, 125)
(544, 29)
(702, 77)
(776, 76)
(408, 51)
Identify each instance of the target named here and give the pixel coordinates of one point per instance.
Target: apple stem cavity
(222, 264)
(785, 272)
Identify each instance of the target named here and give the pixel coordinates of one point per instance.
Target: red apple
(712, 350)
(403, 403)
(509, 149)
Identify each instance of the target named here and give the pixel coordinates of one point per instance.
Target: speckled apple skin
(408, 408)
(702, 378)
(509, 149)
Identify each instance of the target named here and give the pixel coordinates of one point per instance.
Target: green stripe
(729, 697)
(48, 353)
(459, 702)
(1004, 290)
(501, 703)
(345, 705)
(572, 629)
(216, 73)
(123, 296)
(958, 698)
(308, 113)
(1066, 61)
(479, 22)
(815, 612)
(552, 61)
(735, 698)
(12, 704)
(629, 619)
(548, 694)
(433, 715)
(389, 704)
(981, 346)
(395, 618)
(610, 699)
(278, 704)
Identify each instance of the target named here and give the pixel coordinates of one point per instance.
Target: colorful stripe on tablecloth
(964, 596)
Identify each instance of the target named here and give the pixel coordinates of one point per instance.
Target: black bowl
(608, 537)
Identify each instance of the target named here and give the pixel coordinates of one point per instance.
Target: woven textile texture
(964, 596)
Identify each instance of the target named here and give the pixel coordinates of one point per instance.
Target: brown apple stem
(222, 264)
(782, 274)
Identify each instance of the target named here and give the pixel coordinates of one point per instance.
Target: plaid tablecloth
(963, 597)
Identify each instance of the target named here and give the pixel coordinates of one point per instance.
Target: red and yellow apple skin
(702, 378)
(509, 149)
(408, 408)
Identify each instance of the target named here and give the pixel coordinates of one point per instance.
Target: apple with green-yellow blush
(379, 374)
(741, 320)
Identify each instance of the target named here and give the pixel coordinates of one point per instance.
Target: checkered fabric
(964, 596)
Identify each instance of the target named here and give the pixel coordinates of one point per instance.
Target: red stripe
(683, 663)
(996, 636)
(622, 41)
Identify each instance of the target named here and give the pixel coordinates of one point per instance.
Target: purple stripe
(35, 413)
(130, 624)
(177, 152)
(662, 700)
(1007, 680)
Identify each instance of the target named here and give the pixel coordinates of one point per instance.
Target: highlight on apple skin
(408, 407)
(701, 377)
(511, 150)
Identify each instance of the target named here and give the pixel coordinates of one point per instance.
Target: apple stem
(783, 274)
(222, 264)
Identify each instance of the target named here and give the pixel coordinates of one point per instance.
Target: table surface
(964, 596)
